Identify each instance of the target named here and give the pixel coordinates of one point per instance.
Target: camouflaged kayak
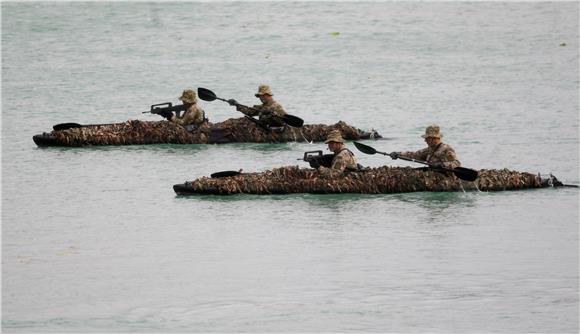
(381, 180)
(233, 130)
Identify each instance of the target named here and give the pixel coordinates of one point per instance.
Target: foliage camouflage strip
(235, 130)
(382, 180)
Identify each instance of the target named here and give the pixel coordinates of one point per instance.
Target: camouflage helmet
(264, 90)
(188, 96)
(432, 131)
(334, 136)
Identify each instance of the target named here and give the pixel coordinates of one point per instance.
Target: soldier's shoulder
(346, 153)
(447, 147)
(277, 104)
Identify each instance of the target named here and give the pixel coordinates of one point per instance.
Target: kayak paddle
(226, 173)
(207, 95)
(65, 126)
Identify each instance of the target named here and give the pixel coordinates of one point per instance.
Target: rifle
(317, 159)
(166, 109)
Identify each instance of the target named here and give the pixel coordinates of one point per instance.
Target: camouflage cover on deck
(382, 180)
(234, 130)
(130, 133)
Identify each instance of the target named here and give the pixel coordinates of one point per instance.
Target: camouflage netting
(382, 180)
(232, 130)
(131, 133)
(240, 130)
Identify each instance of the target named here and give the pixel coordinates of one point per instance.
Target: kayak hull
(46, 139)
(235, 130)
(382, 180)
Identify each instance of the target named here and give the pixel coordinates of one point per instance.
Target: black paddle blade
(226, 173)
(65, 126)
(365, 148)
(206, 94)
(465, 173)
(293, 121)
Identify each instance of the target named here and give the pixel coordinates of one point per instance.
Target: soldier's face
(334, 146)
(432, 141)
(264, 98)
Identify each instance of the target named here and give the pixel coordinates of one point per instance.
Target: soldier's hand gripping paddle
(207, 95)
(463, 173)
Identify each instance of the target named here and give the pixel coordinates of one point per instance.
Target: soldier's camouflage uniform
(267, 113)
(443, 154)
(194, 115)
(344, 159)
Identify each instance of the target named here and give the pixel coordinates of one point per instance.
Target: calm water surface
(95, 240)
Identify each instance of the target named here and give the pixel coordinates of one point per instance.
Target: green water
(95, 239)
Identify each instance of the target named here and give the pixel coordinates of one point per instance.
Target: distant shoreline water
(95, 239)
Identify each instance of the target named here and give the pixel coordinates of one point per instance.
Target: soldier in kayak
(436, 153)
(268, 112)
(194, 116)
(343, 158)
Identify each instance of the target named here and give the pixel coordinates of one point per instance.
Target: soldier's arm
(275, 109)
(199, 116)
(178, 120)
(247, 111)
(418, 155)
(186, 119)
(175, 119)
(339, 164)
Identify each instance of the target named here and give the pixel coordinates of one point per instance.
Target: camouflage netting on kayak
(382, 180)
(233, 130)
(239, 130)
(131, 133)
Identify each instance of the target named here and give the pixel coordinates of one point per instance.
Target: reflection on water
(440, 200)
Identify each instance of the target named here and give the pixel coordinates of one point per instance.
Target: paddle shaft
(404, 158)
(419, 162)
(212, 94)
(257, 122)
(461, 172)
(291, 120)
(241, 105)
(413, 160)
